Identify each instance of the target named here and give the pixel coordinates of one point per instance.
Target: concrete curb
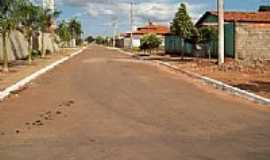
(5, 93)
(214, 83)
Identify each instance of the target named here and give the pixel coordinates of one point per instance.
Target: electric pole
(131, 23)
(114, 25)
(221, 38)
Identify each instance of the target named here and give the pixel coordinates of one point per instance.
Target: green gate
(229, 40)
(173, 45)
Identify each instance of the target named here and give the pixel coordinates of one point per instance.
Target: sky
(98, 16)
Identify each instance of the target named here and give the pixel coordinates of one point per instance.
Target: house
(150, 28)
(247, 34)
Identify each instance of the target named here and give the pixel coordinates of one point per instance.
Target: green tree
(29, 19)
(8, 22)
(100, 40)
(182, 26)
(208, 35)
(75, 28)
(264, 8)
(90, 39)
(64, 32)
(150, 42)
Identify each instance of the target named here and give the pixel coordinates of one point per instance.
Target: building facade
(150, 28)
(247, 34)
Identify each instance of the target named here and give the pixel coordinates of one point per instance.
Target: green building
(247, 34)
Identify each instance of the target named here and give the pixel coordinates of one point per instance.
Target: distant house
(247, 34)
(159, 30)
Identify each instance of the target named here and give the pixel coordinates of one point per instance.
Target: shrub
(150, 42)
(100, 40)
(90, 39)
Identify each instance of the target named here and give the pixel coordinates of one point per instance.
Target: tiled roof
(245, 16)
(152, 28)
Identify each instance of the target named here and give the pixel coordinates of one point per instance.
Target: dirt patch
(43, 119)
(254, 78)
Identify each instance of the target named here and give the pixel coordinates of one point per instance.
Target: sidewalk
(21, 69)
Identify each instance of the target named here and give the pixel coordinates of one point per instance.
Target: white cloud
(160, 11)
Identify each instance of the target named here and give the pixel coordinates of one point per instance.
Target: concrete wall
(17, 46)
(50, 44)
(252, 41)
(126, 42)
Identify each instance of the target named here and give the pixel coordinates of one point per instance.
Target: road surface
(103, 105)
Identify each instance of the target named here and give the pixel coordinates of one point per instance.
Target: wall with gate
(173, 45)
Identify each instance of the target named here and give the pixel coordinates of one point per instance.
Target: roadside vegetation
(33, 20)
(183, 27)
(70, 30)
(150, 42)
(100, 40)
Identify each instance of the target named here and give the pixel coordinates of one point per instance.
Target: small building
(247, 34)
(150, 28)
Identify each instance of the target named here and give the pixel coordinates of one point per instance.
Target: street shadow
(256, 86)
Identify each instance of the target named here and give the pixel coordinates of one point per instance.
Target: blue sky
(97, 16)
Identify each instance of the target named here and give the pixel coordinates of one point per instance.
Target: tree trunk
(30, 50)
(209, 53)
(43, 54)
(30, 45)
(5, 53)
(182, 48)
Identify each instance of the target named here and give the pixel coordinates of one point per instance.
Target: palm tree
(29, 18)
(75, 28)
(8, 22)
(63, 32)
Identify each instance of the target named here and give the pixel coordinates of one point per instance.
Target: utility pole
(114, 25)
(131, 23)
(221, 38)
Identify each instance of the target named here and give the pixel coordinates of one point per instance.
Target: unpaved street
(102, 105)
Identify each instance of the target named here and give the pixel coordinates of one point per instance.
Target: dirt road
(102, 105)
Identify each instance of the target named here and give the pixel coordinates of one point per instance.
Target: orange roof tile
(152, 28)
(245, 16)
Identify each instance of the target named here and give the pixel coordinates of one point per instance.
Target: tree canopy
(100, 40)
(90, 39)
(63, 31)
(75, 28)
(182, 24)
(208, 34)
(30, 18)
(150, 42)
